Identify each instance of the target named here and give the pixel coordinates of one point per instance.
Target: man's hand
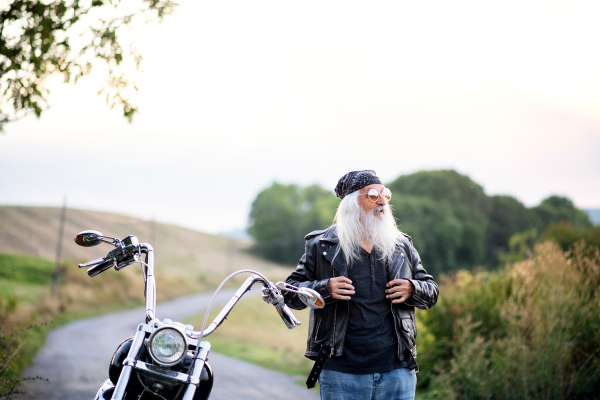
(340, 288)
(399, 290)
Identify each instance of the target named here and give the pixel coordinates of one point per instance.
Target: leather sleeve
(426, 290)
(305, 276)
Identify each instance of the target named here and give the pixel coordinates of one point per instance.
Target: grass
(28, 309)
(25, 269)
(254, 332)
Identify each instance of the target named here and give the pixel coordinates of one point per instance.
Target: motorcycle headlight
(167, 346)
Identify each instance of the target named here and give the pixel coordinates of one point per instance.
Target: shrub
(529, 332)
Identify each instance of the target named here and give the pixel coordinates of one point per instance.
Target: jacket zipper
(392, 310)
(333, 333)
(317, 328)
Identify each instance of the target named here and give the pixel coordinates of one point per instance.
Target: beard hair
(377, 227)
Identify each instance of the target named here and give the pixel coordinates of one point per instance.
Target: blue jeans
(399, 384)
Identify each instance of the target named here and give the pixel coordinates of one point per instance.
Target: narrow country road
(76, 358)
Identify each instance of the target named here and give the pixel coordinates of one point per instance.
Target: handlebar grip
(103, 266)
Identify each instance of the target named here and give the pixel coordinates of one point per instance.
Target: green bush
(566, 235)
(531, 331)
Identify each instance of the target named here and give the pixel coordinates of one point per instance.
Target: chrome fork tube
(197, 373)
(150, 282)
(138, 340)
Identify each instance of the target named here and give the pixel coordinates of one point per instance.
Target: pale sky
(237, 94)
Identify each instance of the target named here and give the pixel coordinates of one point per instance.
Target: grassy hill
(186, 261)
(194, 259)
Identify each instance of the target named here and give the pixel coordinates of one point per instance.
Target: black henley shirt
(371, 344)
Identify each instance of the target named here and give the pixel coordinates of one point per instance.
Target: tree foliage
(281, 215)
(452, 216)
(453, 223)
(39, 39)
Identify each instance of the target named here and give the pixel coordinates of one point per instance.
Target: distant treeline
(453, 223)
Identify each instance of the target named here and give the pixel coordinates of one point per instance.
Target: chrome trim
(164, 373)
(308, 296)
(232, 302)
(121, 386)
(199, 361)
(185, 341)
(147, 249)
(129, 361)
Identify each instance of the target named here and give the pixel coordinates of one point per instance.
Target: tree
(433, 227)
(459, 209)
(281, 215)
(555, 209)
(507, 216)
(40, 39)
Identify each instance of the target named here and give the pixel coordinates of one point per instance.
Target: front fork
(136, 345)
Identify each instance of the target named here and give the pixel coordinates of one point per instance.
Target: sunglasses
(373, 194)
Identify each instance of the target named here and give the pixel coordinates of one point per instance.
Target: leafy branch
(37, 40)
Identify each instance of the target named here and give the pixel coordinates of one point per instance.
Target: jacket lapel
(397, 263)
(333, 252)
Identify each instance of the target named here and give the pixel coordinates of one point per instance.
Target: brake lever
(93, 262)
(272, 295)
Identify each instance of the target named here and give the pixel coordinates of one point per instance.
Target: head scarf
(354, 181)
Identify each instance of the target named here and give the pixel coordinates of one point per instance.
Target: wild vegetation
(453, 223)
(530, 331)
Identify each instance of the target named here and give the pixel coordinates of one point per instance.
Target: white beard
(354, 226)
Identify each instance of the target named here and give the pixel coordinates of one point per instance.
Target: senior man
(371, 277)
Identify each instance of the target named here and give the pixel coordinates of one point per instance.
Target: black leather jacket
(327, 326)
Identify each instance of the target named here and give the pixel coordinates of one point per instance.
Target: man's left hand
(399, 290)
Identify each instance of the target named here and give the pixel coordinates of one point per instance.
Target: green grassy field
(28, 310)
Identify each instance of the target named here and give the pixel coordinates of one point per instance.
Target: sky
(236, 95)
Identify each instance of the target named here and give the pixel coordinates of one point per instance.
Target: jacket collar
(330, 235)
(336, 256)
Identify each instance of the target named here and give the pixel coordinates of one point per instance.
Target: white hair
(355, 225)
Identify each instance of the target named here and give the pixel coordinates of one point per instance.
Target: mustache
(377, 210)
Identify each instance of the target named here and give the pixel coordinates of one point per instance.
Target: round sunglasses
(373, 194)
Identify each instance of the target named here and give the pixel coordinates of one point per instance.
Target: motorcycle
(168, 359)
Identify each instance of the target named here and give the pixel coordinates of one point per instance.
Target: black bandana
(354, 181)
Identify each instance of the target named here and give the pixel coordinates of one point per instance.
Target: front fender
(106, 391)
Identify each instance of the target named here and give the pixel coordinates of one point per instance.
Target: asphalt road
(76, 357)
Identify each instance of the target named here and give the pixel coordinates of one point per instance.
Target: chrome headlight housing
(167, 346)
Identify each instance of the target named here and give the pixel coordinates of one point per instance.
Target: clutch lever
(99, 265)
(93, 262)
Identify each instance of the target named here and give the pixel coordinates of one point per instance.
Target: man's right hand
(340, 288)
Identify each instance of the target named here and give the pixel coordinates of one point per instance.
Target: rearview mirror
(309, 297)
(88, 238)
